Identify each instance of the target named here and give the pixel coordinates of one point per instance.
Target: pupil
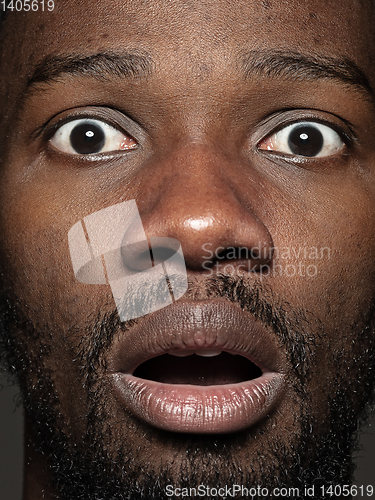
(305, 140)
(87, 138)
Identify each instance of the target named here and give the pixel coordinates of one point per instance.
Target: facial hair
(93, 470)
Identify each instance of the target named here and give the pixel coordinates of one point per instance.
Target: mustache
(297, 330)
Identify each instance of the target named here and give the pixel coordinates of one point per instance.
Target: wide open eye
(308, 139)
(88, 137)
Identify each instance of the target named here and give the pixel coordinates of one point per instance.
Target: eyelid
(112, 117)
(280, 142)
(111, 139)
(51, 130)
(281, 119)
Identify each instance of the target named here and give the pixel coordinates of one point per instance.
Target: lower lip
(199, 409)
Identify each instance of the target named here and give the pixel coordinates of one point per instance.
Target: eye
(89, 136)
(308, 139)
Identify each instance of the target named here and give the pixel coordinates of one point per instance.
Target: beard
(108, 465)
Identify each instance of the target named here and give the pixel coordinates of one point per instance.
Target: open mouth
(203, 368)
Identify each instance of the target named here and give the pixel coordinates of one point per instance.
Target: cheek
(347, 277)
(35, 261)
(36, 216)
(327, 250)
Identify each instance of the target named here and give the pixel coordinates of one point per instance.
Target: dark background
(11, 448)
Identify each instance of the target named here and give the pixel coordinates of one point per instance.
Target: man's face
(243, 125)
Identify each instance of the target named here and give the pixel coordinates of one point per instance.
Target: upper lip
(195, 325)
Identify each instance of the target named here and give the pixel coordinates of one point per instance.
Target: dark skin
(200, 172)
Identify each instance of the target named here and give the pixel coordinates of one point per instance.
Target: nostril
(163, 249)
(143, 255)
(251, 259)
(137, 256)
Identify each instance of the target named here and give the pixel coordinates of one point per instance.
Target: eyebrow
(290, 65)
(100, 66)
(299, 67)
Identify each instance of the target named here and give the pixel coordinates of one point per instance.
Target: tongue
(197, 370)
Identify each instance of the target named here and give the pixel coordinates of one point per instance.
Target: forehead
(204, 31)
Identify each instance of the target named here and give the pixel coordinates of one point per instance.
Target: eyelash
(312, 123)
(96, 137)
(49, 132)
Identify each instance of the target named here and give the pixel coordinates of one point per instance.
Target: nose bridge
(199, 180)
(198, 200)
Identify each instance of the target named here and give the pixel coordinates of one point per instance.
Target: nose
(211, 204)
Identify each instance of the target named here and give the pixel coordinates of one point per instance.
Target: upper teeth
(206, 353)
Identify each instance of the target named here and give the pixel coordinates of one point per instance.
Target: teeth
(207, 353)
(182, 354)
